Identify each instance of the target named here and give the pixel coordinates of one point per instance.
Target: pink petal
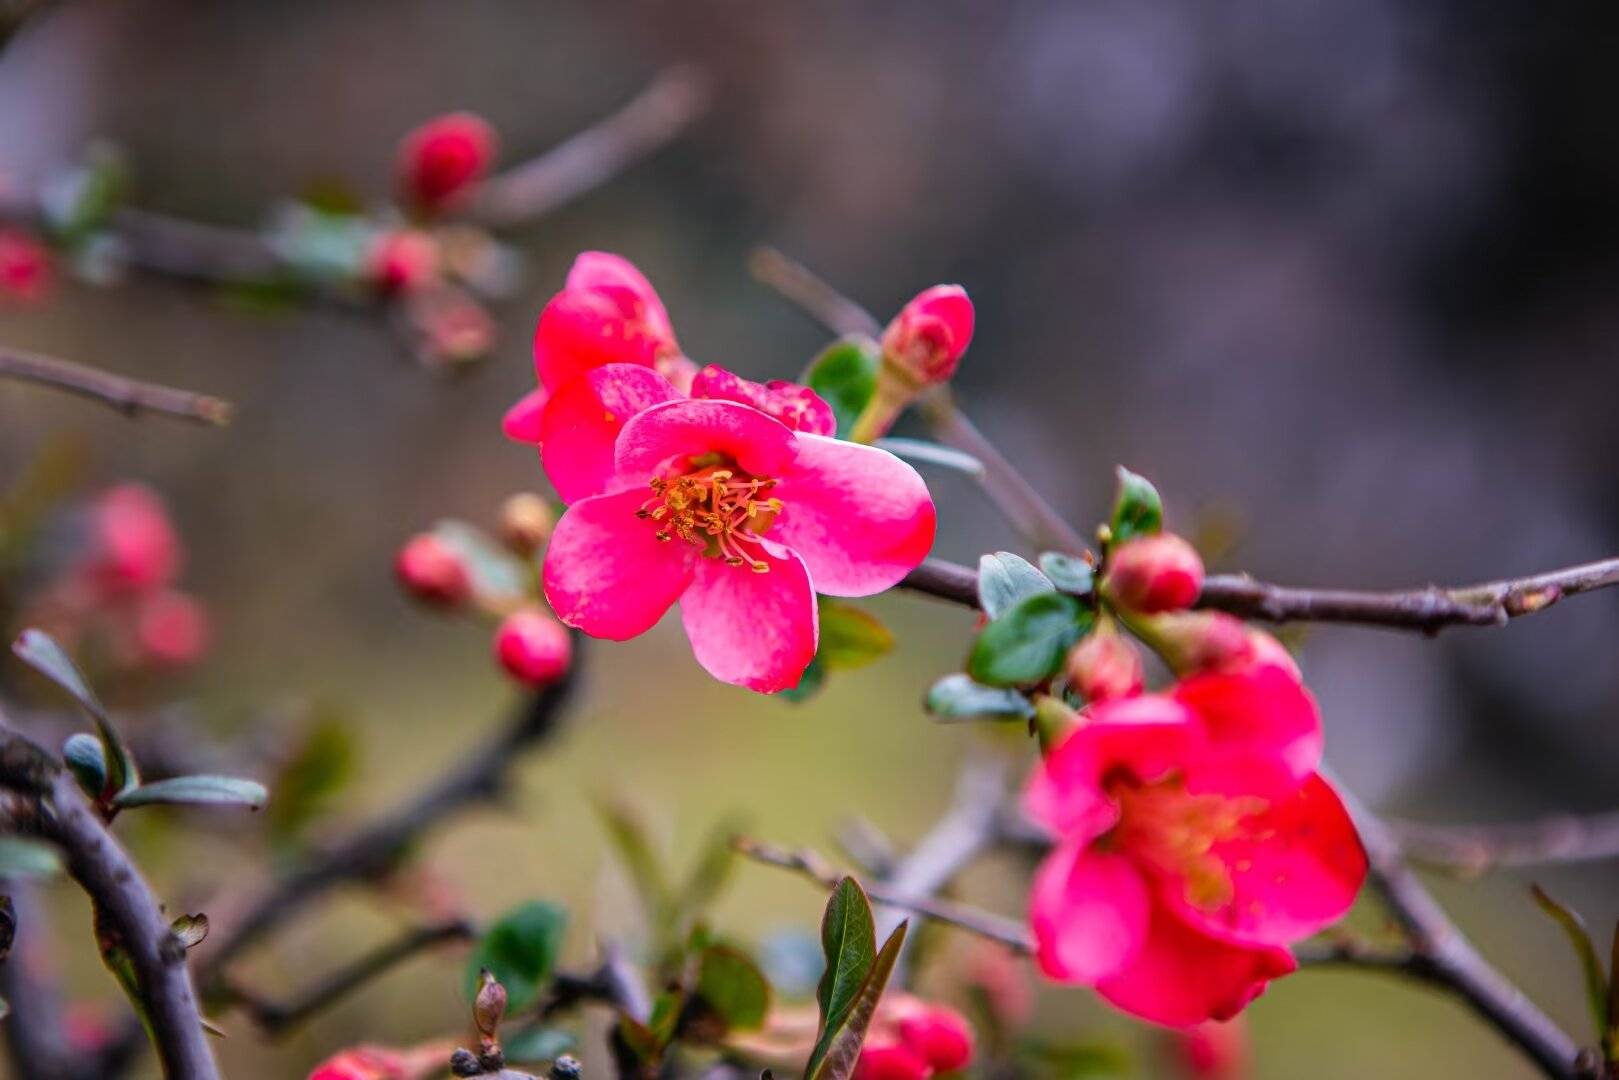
(1089, 913)
(1295, 868)
(861, 518)
(603, 270)
(583, 420)
(522, 421)
(1181, 977)
(605, 571)
(799, 407)
(751, 629)
(581, 329)
(950, 304)
(1262, 726)
(1148, 735)
(677, 431)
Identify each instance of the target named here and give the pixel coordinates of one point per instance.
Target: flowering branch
(1561, 838)
(129, 396)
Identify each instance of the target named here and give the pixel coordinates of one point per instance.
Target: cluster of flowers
(695, 485)
(1194, 838)
(116, 598)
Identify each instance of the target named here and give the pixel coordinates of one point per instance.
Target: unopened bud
(25, 267)
(441, 160)
(526, 522)
(940, 1036)
(533, 647)
(927, 338)
(489, 1007)
(432, 571)
(1211, 641)
(1052, 721)
(1104, 665)
(1151, 574)
(401, 260)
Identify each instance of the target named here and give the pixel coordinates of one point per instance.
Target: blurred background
(1341, 277)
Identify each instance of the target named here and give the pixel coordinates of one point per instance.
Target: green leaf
(922, 452)
(958, 697)
(24, 858)
(1596, 983)
(40, 651)
(838, 1048)
(845, 374)
(851, 637)
(709, 874)
(649, 1040)
(198, 790)
(1026, 645)
(1004, 579)
(82, 752)
(1137, 509)
(323, 762)
(849, 943)
(646, 868)
(1069, 573)
(190, 929)
(810, 684)
(520, 950)
(536, 1044)
(498, 577)
(733, 987)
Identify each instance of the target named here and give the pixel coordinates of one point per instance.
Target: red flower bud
(1154, 573)
(882, 1060)
(172, 629)
(134, 546)
(442, 159)
(432, 571)
(928, 336)
(940, 1036)
(1104, 665)
(25, 267)
(533, 647)
(1212, 641)
(402, 260)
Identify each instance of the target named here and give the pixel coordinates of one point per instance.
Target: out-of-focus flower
(1213, 1051)
(729, 511)
(881, 1059)
(1195, 840)
(927, 338)
(440, 161)
(432, 571)
(1153, 573)
(384, 1063)
(402, 260)
(452, 326)
(171, 629)
(912, 1039)
(25, 267)
(133, 545)
(533, 647)
(1104, 665)
(1194, 641)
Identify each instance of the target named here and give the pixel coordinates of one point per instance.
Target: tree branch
(129, 396)
(1473, 849)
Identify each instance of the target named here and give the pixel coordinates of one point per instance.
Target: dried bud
(526, 521)
(1154, 573)
(566, 1067)
(465, 1063)
(432, 571)
(1104, 665)
(927, 338)
(171, 628)
(489, 1007)
(25, 267)
(533, 647)
(441, 160)
(402, 260)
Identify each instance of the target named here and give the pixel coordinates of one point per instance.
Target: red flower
(928, 337)
(1154, 573)
(441, 160)
(533, 647)
(25, 266)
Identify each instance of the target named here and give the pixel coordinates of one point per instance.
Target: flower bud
(489, 1007)
(1154, 573)
(927, 338)
(533, 647)
(526, 522)
(401, 260)
(25, 267)
(172, 629)
(134, 544)
(1104, 665)
(432, 571)
(1212, 641)
(884, 1060)
(940, 1036)
(441, 160)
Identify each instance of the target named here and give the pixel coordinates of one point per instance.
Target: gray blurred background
(1341, 276)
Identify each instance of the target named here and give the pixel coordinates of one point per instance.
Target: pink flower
(1195, 840)
(533, 647)
(441, 160)
(725, 509)
(432, 571)
(1154, 573)
(134, 547)
(25, 267)
(929, 335)
(912, 1039)
(171, 629)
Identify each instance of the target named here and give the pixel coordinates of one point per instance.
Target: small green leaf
(82, 752)
(646, 867)
(1069, 573)
(837, 1049)
(40, 651)
(648, 1041)
(849, 943)
(1596, 983)
(198, 790)
(709, 874)
(190, 929)
(1004, 579)
(1137, 509)
(24, 858)
(958, 697)
(810, 684)
(1026, 645)
(922, 452)
(536, 1044)
(521, 951)
(851, 637)
(322, 763)
(732, 986)
(845, 374)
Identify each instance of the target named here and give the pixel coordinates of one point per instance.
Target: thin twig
(1428, 610)
(1009, 932)
(1473, 849)
(128, 396)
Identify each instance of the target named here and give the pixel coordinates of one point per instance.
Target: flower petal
(582, 422)
(949, 304)
(861, 518)
(605, 271)
(522, 421)
(581, 329)
(1180, 977)
(679, 430)
(1089, 913)
(605, 571)
(1295, 868)
(751, 629)
(1262, 727)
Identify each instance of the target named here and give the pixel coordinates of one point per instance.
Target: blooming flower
(1195, 840)
(441, 160)
(724, 508)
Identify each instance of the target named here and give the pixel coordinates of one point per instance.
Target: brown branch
(811, 293)
(47, 801)
(1473, 849)
(1428, 610)
(129, 396)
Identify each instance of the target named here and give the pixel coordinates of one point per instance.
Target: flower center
(1173, 832)
(721, 510)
